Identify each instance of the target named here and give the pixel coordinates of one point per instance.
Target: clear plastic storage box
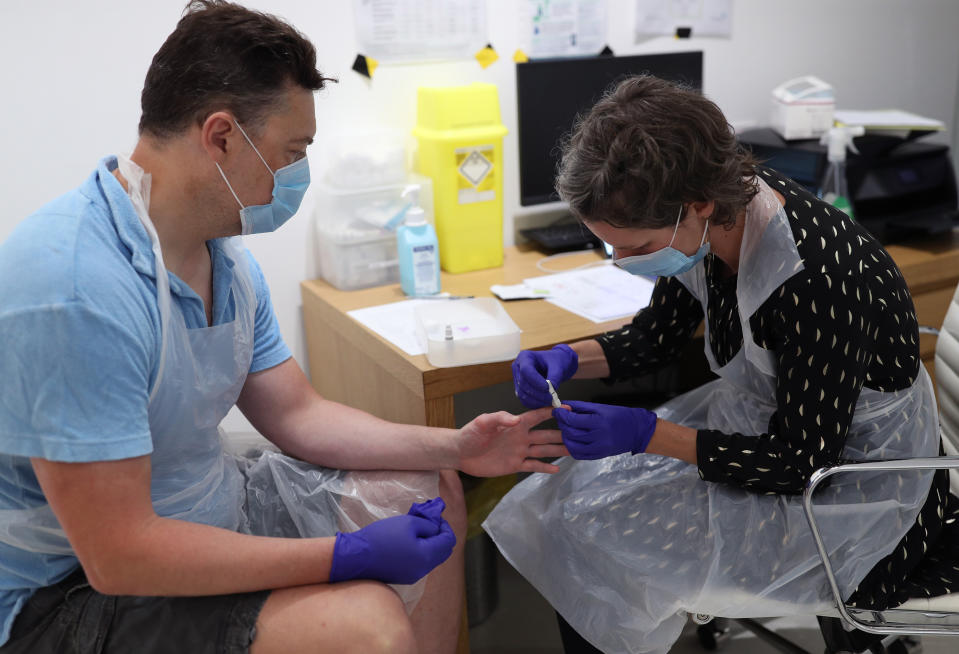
(355, 231)
(465, 332)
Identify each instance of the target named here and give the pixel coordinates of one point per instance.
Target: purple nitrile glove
(397, 550)
(532, 368)
(595, 431)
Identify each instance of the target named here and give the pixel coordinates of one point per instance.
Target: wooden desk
(353, 365)
(931, 269)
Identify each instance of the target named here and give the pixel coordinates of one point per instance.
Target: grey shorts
(71, 618)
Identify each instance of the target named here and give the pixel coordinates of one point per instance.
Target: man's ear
(217, 135)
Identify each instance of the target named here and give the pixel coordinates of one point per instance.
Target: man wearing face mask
(137, 322)
(811, 332)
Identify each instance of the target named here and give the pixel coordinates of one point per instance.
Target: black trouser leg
(573, 643)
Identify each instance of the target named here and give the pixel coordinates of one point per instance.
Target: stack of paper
(599, 293)
(893, 122)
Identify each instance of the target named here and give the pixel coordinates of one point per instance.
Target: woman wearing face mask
(811, 331)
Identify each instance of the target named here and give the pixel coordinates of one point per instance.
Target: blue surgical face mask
(667, 261)
(289, 186)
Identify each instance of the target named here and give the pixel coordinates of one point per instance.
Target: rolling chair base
(712, 634)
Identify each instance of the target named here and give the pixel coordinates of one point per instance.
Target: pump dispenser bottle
(833, 188)
(418, 250)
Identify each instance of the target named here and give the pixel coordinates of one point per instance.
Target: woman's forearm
(592, 360)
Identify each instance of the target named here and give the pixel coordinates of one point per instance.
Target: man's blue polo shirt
(80, 346)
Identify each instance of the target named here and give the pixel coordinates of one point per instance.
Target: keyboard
(562, 237)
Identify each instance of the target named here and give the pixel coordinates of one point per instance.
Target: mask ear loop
(243, 132)
(228, 185)
(679, 217)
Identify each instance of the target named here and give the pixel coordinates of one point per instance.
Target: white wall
(72, 73)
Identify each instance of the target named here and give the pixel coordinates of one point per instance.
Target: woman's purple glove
(397, 550)
(595, 431)
(532, 368)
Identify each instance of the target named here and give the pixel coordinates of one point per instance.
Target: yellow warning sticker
(474, 167)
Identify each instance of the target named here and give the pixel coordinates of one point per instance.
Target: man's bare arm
(127, 549)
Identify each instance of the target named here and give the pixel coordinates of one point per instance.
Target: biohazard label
(475, 167)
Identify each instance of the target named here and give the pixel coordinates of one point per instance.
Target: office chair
(851, 630)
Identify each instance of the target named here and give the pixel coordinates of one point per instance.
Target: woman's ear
(704, 209)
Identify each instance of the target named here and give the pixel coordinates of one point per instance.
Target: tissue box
(802, 108)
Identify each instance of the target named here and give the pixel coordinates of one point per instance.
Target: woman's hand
(532, 368)
(595, 431)
(501, 443)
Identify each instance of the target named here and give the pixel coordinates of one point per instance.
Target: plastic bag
(289, 498)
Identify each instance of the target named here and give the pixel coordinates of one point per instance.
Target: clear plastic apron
(625, 546)
(201, 374)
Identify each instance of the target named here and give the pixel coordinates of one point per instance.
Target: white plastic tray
(465, 332)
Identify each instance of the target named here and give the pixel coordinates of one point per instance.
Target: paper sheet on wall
(704, 17)
(598, 293)
(402, 31)
(395, 322)
(559, 28)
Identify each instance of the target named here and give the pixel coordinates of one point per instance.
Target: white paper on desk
(395, 322)
(887, 119)
(597, 293)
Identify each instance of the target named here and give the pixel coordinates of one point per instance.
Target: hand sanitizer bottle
(418, 250)
(833, 188)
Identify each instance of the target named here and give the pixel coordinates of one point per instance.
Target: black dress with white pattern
(833, 329)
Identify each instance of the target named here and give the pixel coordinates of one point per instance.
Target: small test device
(552, 391)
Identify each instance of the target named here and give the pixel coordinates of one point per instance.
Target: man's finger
(536, 416)
(533, 465)
(545, 436)
(548, 451)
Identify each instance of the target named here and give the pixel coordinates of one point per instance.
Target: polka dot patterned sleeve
(844, 322)
(656, 334)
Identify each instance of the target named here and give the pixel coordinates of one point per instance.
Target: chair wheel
(711, 634)
(905, 645)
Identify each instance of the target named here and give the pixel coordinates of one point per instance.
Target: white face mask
(667, 261)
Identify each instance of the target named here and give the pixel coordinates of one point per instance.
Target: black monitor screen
(550, 93)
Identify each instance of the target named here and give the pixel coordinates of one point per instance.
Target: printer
(899, 188)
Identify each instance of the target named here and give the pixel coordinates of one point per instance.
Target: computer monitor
(550, 93)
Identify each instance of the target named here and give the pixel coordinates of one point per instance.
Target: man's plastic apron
(199, 378)
(625, 546)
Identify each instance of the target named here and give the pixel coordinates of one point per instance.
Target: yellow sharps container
(460, 146)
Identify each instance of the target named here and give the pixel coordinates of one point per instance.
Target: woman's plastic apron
(624, 547)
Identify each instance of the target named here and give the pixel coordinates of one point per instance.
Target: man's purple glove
(532, 368)
(595, 431)
(397, 550)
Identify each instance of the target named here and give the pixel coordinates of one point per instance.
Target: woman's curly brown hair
(647, 147)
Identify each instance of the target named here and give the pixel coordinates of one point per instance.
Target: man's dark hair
(648, 147)
(224, 56)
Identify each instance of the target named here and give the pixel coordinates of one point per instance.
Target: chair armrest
(817, 477)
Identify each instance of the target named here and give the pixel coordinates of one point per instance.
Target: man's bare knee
(364, 616)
